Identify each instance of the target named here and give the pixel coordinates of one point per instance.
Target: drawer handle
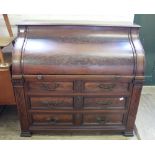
(106, 86)
(50, 87)
(101, 120)
(52, 120)
(49, 104)
(104, 102)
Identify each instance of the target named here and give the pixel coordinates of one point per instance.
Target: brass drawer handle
(50, 87)
(49, 103)
(106, 86)
(52, 120)
(104, 102)
(101, 120)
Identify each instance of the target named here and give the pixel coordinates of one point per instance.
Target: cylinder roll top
(75, 50)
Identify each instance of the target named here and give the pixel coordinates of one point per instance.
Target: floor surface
(145, 121)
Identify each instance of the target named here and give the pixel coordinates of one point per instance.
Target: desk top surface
(76, 22)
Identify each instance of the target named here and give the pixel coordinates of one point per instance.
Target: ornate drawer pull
(54, 103)
(101, 120)
(50, 87)
(106, 86)
(104, 102)
(52, 120)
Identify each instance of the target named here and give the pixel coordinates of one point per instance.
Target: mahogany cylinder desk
(77, 77)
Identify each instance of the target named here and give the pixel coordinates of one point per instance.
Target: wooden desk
(77, 77)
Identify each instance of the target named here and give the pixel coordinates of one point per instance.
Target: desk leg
(133, 107)
(22, 108)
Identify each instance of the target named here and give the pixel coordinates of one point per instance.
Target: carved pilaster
(78, 86)
(136, 93)
(78, 119)
(78, 104)
(21, 105)
(18, 82)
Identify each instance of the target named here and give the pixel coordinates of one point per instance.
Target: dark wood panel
(103, 119)
(45, 87)
(105, 102)
(106, 87)
(76, 111)
(70, 50)
(22, 106)
(52, 119)
(51, 102)
(105, 129)
(78, 94)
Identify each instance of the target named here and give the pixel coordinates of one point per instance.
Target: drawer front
(103, 119)
(50, 87)
(105, 102)
(51, 102)
(52, 119)
(106, 87)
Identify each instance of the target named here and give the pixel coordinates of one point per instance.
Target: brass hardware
(104, 102)
(52, 120)
(54, 103)
(101, 120)
(106, 86)
(50, 87)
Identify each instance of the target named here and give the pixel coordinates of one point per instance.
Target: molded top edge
(76, 23)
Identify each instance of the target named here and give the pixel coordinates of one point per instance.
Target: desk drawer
(102, 87)
(103, 119)
(52, 119)
(50, 87)
(105, 102)
(51, 102)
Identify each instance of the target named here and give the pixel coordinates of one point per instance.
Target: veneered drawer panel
(50, 86)
(106, 87)
(104, 102)
(103, 119)
(51, 102)
(52, 119)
